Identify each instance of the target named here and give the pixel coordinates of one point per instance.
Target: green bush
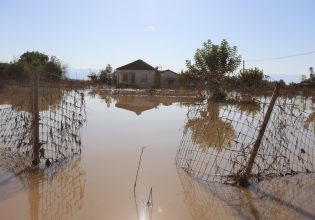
(47, 67)
(251, 77)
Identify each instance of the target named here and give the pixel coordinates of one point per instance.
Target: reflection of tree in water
(53, 193)
(282, 198)
(56, 186)
(252, 108)
(103, 95)
(227, 136)
(20, 98)
(210, 129)
(62, 115)
(310, 122)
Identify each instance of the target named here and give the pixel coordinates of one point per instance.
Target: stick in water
(150, 199)
(134, 186)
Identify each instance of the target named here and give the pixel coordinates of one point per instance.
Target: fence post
(35, 119)
(243, 181)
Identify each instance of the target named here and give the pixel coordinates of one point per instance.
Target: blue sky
(90, 34)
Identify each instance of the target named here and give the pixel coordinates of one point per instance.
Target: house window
(125, 77)
(144, 77)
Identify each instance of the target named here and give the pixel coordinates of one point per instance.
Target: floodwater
(99, 183)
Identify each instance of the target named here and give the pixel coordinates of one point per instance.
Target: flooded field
(98, 182)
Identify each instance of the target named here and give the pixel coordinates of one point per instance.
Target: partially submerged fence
(55, 193)
(220, 137)
(40, 124)
(280, 198)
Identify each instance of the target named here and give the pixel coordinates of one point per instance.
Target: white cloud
(150, 28)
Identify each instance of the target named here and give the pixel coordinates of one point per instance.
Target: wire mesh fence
(56, 192)
(61, 115)
(219, 136)
(280, 198)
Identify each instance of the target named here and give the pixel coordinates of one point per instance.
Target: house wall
(169, 80)
(139, 78)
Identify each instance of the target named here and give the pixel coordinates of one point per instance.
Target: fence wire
(56, 192)
(61, 117)
(218, 136)
(280, 198)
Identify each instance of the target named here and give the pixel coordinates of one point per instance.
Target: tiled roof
(137, 65)
(168, 70)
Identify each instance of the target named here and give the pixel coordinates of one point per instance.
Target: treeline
(105, 76)
(47, 67)
(214, 66)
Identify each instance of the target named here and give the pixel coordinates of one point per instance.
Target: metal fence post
(243, 181)
(35, 119)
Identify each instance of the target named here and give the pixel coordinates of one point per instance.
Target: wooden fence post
(243, 181)
(35, 119)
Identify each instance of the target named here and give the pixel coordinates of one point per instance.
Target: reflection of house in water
(139, 104)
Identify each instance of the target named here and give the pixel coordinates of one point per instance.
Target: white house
(168, 79)
(137, 74)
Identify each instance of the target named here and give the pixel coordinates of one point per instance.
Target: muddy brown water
(98, 184)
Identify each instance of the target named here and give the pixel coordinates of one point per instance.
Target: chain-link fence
(43, 123)
(280, 198)
(220, 136)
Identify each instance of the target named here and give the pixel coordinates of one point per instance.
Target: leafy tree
(105, 74)
(282, 82)
(47, 67)
(186, 78)
(93, 77)
(55, 69)
(251, 77)
(2, 68)
(212, 63)
(312, 75)
(34, 58)
(303, 77)
(50, 67)
(114, 77)
(14, 71)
